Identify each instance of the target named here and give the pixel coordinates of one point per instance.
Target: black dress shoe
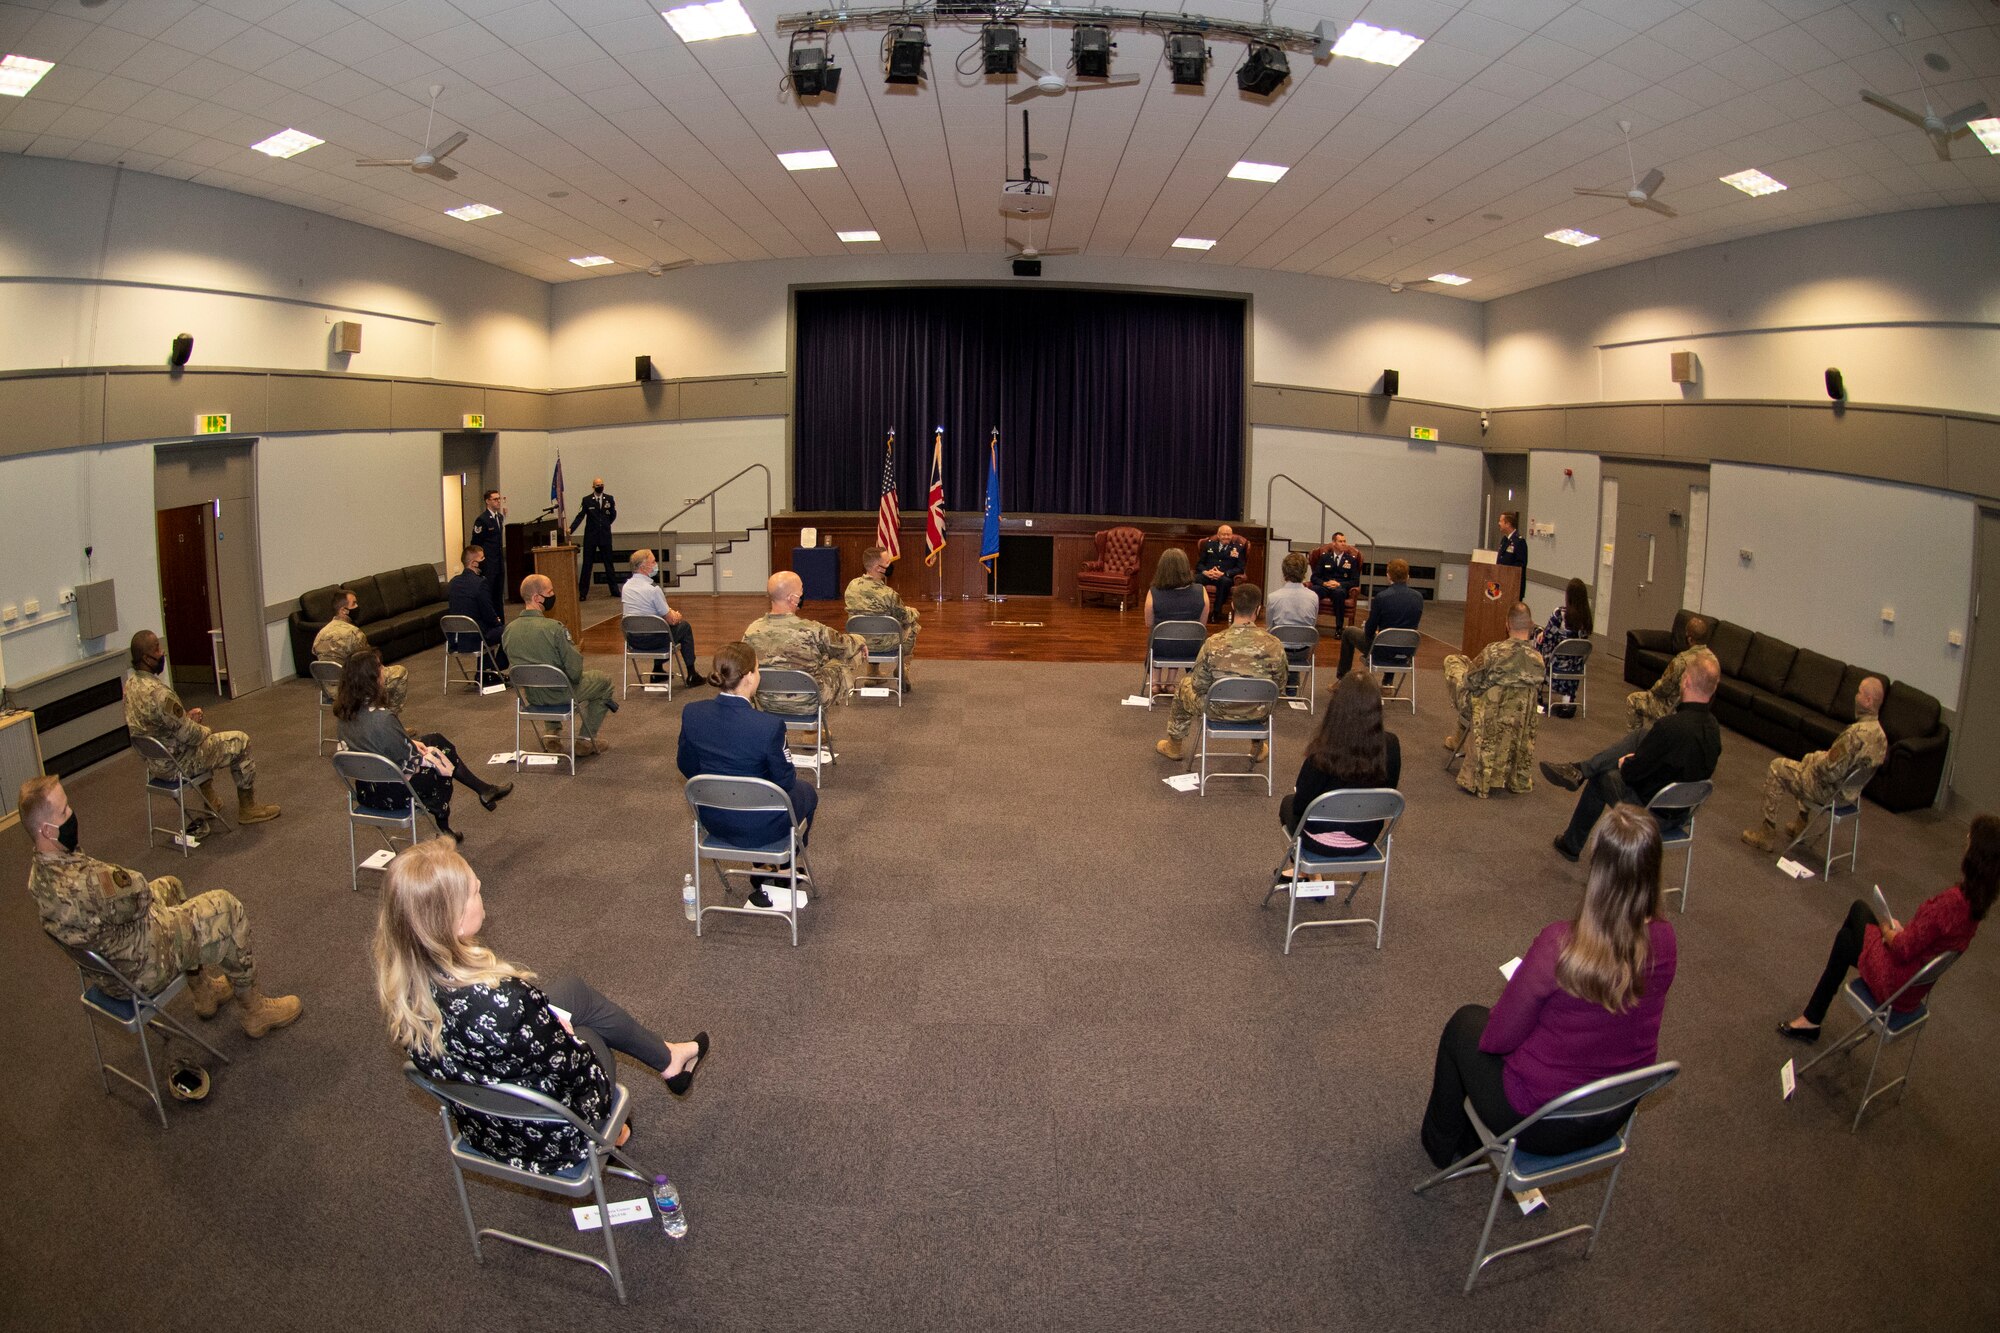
(683, 1083)
(497, 795)
(1806, 1035)
(759, 898)
(1567, 776)
(1564, 852)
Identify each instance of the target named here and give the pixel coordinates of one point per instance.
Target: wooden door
(1975, 768)
(182, 536)
(1649, 557)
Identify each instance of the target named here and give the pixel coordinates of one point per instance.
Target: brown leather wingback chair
(1326, 606)
(1115, 571)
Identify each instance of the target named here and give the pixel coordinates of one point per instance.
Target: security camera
(1482, 423)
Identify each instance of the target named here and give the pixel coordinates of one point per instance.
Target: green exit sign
(1423, 432)
(212, 423)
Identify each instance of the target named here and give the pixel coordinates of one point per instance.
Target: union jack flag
(887, 518)
(934, 541)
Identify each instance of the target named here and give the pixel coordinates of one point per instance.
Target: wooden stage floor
(1058, 631)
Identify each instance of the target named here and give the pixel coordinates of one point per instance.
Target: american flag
(887, 519)
(934, 519)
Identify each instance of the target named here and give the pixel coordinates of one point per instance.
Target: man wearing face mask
(536, 638)
(642, 597)
(489, 532)
(597, 513)
(151, 931)
(470, 594)
(340, 639)
(153, 709)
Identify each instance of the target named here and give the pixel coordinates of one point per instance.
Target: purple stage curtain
(1107, 402)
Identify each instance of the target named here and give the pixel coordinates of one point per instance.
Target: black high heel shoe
(497, 795)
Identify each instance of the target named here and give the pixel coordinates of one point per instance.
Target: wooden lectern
(558, 565)
(1489, 590)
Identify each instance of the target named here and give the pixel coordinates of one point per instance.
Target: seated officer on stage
(340, 639)
(869, 594)
(1240, 650)
(785, 640)
(1219, 565)
(1335, 574)
(153, 709)
(151, 931)
(470, 593)
(536, 638)
(640, 596)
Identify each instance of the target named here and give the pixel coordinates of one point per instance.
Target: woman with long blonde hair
(1584, 1004)
(466, 1015)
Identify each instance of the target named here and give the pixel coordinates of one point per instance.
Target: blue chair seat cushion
(1316, 857)
(170, 786)
(1898, 1021)
(1534, 1164)
(110, 1005)
(771, 851)
(544, 710)
(380, 812)
(1224, 727)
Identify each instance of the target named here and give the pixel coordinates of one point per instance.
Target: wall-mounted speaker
(1682, 366)
(644, 371)
(1392, 383)
(1027, 268)
(346, 337)
(1836, 387)
(183, 350)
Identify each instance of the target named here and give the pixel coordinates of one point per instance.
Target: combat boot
(209, 990)
(261, 1013)
(1258, 749)
(1170, 748)
(1764, 838)
(248, 811)
(208, 794)
(1795, 830)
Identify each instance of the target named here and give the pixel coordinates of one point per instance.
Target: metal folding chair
(1675, 805)
(326, 675)
(709, 791)
(457, 631)
(1517, 1170)
(777, 689)
(1171, 647)
(581, 1181)
(1394, 652)
(880, 625)
(176, 786)
(1880, 1020)
(1577, 650)
(1315, 871)
(1845, 806)
(1241, 690)
(649, 679)
(356, 767)
(1301, 648)
(527, 676)
(135, 1014)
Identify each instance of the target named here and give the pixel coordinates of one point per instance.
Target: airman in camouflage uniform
(153, 709)
(870, 595)
(786, 641)
(1240, 650)
(150, 931)
(1648, 706)
(1799, 784)
(539, 640)
(1495, 699)
(340, 639)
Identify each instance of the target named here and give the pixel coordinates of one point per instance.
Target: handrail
(714, 546)
(1324, 507)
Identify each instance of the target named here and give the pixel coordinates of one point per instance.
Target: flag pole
(993, 570)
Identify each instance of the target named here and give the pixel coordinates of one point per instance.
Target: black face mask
(66, 832)
(548, 603)
(597, 490)
(153, 665)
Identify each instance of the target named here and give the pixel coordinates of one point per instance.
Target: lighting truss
(1319, 41)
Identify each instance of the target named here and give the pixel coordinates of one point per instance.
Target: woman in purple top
(1584, 1004)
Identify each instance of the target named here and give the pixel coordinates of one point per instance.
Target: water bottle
(690, 903)
(667, 1200)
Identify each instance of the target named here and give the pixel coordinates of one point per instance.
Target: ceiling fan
(1404, 284)
(1941, 129)
(659, 266)
(1050, 83)
(1643, 188)
(1030, 252)
(430, 162)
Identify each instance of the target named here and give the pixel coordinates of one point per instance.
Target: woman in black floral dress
(466, 1016)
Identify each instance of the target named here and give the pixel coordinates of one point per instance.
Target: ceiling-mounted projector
(1029, 198)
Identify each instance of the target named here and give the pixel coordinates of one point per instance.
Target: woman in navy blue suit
(727, 737)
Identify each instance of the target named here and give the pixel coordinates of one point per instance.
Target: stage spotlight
(1090, 51)
(906, 46)
(1001, 43)
(1262, 70)
(812, 69)
(1187, 57)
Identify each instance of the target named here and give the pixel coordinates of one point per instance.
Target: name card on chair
(378, 860)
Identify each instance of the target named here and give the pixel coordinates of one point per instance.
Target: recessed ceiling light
(1377, 46)
(817, 159)
(857, 237)
(1570, 236)
(1268, 172)
(590, 261)
(705, 23)
(1450, 279)
(1192, 243)
(472, 212)
(20, 73)
(1987, 131)
(1754, 182)
(287, 143)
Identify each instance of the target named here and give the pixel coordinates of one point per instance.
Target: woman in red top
(1887, 956)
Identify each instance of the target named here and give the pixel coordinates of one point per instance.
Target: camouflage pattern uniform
(872, 597)
(792, 643)
(1648, 706)
(341, 639)
(153, 709)
(540, 641)
(1240, 650)
(1794, 785)
(151, 932)
(1495, 698)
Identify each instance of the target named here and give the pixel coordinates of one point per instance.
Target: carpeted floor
(1037, 1063)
